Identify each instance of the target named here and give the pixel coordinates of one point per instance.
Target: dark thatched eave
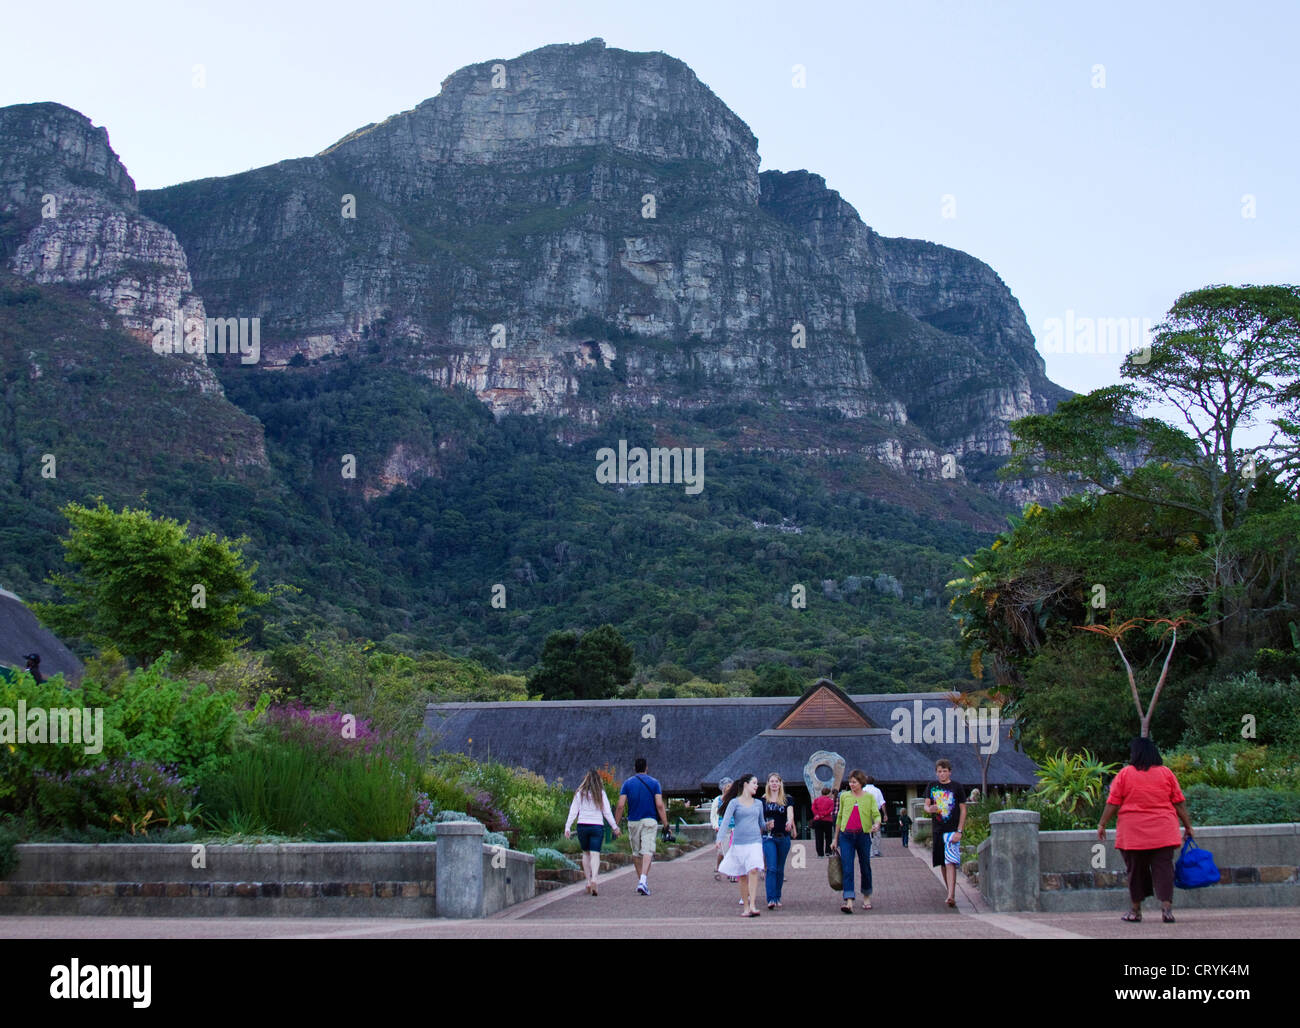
(691, 743)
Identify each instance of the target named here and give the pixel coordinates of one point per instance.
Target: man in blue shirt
(644, 801)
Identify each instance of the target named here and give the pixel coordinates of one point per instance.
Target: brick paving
(684, 888)
(686, 902)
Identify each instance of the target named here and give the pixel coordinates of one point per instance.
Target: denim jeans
(775, 848)
(859, 843)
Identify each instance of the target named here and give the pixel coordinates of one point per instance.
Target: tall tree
(1225, 358)
(592, 667)
(143, 586)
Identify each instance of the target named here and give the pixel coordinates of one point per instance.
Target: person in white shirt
(590, 807)
(715, 811)
(880, 802)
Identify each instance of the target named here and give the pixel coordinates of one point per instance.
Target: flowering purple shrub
(331, 732)
(91, 796)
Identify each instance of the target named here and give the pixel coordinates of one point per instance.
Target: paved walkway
(686, 902)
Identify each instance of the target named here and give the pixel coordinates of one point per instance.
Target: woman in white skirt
(745, 858)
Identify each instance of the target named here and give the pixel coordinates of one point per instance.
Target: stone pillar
(1012, 861)
(459, 875)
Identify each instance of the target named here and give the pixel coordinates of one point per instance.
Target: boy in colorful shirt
(946, 802)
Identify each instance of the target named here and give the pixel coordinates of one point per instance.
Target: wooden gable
(823, 707)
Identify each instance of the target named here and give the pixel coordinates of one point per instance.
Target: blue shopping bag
(1195, 868)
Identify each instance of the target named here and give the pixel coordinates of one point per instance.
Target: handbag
(835, 873)
(1195, 868)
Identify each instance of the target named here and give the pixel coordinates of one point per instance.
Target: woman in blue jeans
(858, 815)
(778, 826)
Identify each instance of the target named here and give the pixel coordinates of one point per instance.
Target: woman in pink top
(1150, 806)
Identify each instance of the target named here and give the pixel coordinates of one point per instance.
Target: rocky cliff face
(572, 232)
(581, 229)
(69, 214)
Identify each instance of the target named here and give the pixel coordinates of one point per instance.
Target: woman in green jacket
(858, 815)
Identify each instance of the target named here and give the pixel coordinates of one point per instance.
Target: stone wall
(1073, 871)
(376, 879)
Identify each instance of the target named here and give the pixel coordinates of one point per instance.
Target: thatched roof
(21, 633)
(697, 741)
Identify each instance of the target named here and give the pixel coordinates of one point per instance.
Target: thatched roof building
(21, 634)
(691, 743)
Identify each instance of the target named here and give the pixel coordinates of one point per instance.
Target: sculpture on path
(823, 758)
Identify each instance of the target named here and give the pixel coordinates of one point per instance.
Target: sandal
(771, 906)
(951, 902)
(847, 908)
(1167, 916)
(866, 904)
(1133, 916)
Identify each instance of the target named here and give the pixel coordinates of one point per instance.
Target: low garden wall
(1023, 869)
(378, 879)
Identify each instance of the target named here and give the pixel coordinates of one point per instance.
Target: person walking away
(1150, 804)
(946, 802)
(858, 815)
(884, 816)
(590, 807)
(644, 800)
(823, 808)
(778, 826)
(904, 823)
(715, 812)
(745, 857)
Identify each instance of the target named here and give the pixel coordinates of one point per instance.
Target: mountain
(513, 205)
(457, 309)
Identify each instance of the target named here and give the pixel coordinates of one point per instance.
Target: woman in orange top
(1150, 805)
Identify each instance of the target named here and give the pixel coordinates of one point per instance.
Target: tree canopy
(142, 586)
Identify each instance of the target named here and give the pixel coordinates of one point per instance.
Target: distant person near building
(858, 815)
(946, 802)
(904, 823)
(715, 812)
(745, 857)
(778, 826)
(590, 807)
(884, 816)
(823, 808)
(1150, 804)
(644, 800)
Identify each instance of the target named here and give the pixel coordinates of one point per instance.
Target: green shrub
(9, 838)
(1207, 805)
(117, 795)
(21, 763)
(549, 859)
(1216, 712)
(1052, 817)
(1235, 766)
(294, 788)
(170, 721)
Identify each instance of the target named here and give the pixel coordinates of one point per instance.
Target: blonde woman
(590, 807)
(778, 827)
(745, 858)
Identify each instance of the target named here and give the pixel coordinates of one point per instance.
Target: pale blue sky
(1105, 201)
